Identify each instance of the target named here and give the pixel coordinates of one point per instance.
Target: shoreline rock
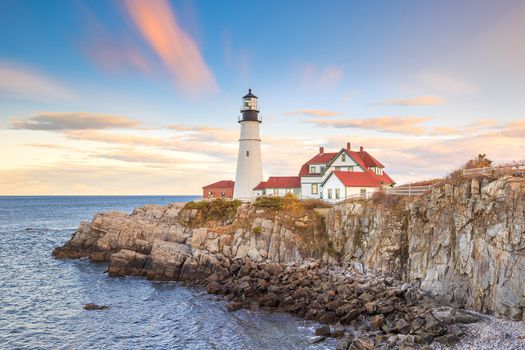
(379, 270)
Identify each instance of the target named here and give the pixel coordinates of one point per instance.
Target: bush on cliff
(215, 210)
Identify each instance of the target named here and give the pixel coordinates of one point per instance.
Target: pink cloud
(416, 101)
(395, 124)
(313, 112)
(156, 22)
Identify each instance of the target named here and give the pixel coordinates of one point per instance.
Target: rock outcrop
(378, 265)
(464, 242)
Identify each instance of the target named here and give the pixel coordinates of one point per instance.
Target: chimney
(348, 146)
(361, 149)
(321, 150)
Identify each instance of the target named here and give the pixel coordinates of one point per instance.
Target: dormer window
(312, 170)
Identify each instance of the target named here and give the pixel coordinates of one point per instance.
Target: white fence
(495, 169)
(409, 190)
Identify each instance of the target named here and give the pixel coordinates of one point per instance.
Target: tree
(481, 161)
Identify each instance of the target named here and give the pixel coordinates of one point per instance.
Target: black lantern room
(249, 108)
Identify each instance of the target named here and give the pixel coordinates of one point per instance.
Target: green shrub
(257, 230)
(269, 202)
(216, 210)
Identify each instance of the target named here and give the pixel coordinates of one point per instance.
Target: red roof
(280, 182)
(320, 158)
(387, 180)
(222, 184)
(358, 178)
(369, 160)
(362, 178)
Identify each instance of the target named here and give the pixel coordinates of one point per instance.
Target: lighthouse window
(247, 153)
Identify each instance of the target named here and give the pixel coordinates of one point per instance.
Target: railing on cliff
(507, 168)
(410, 190)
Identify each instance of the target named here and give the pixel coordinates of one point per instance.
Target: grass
(220, 210)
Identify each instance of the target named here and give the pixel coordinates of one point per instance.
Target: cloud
(158, 25)
(205, 133)
(47, 145)
(201, 143)
(446, 83)
(321, 77)
(117, 54)
(417, 101)
(394, 124)
(135, 156)
(22, 82)
(313, 112)
(73, 121)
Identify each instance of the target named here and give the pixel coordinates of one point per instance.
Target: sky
(142, 97)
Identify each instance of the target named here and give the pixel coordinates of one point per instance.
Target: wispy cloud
(321, 77)
(205, 133)
(73, 121)
(23, 82)
(446, 83)
(313, 113)
(136, 156)
(416, 101)
(395, 124)
(156, 22)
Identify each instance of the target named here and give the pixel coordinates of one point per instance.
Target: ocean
(42, 298)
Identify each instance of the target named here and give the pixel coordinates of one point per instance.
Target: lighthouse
(249, 163)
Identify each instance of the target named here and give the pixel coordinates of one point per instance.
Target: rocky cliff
(378, 265)
(464, 242)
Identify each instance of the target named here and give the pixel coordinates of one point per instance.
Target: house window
(312, 170)
(322, 169)
(223, 194)
(289, 190)
(363, 192)
(275, 191)
(337, 193)
(314, 189)
(350, 168)
(337, 168)
(247, 153)
(329, 193)
(343, 158)
(264, 192)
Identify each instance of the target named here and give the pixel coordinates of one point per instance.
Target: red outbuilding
(220, 189)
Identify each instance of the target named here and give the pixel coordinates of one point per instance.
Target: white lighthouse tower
(249, 164)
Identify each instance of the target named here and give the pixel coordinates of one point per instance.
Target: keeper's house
(331, 176)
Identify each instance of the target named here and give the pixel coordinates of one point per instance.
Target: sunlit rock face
(464, 242)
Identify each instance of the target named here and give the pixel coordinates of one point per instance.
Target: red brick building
(220, 189)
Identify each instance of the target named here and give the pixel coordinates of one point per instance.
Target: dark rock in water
(91, 306)
(214, 287)
(316, 339)
(337, 333)
(362, 343)
(328, 317)
(323, 331)
(234, 306)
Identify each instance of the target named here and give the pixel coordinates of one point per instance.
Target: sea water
(42, 298)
